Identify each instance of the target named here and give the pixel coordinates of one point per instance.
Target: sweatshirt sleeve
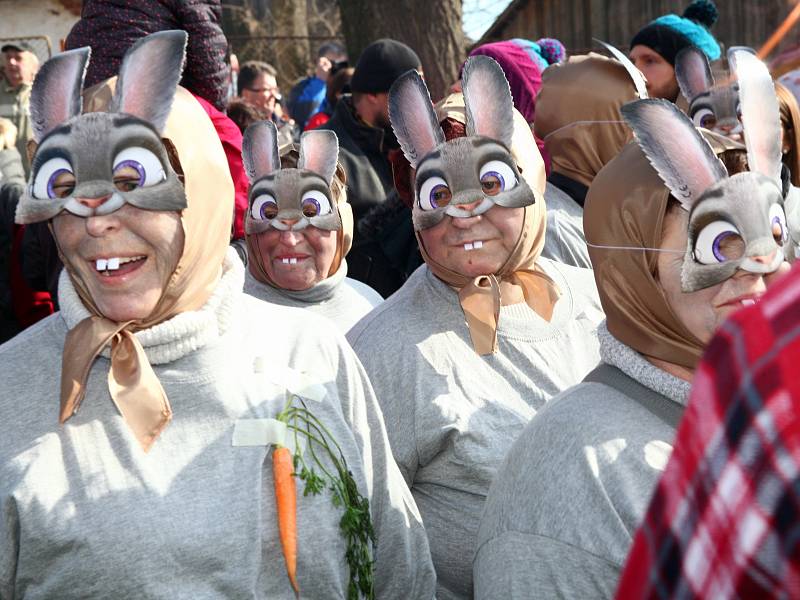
(403, 566)
(9, 548)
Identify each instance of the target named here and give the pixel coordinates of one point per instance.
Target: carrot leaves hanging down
(317, 476)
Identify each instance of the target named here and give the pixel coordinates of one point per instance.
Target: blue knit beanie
(669, 34)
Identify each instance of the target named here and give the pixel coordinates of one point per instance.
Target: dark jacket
(363, 152)
(110, 27)
(381, 252)
(12, 185)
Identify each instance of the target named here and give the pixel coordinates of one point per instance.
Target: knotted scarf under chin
(132, 383)
(480, 297)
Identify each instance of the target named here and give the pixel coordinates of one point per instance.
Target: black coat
(12, 185)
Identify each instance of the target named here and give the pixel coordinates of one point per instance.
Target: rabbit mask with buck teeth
(301, 196)
(84, 156)
(732, 220)
(455, 173)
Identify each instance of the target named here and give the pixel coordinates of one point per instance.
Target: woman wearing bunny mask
(483, 334)
(299, 227)
(155, 479)
(670, 269)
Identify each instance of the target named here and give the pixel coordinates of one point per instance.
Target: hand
(8, 134)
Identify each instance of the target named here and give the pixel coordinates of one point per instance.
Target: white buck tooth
(292, 261)
(477, 245)
(102, 264)
(285, 261)
(748, 302)
(468, 246)
(113, 264)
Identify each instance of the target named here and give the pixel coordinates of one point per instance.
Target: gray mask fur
(91, 145)
(290, 190)
(747, 204)
(458, 164)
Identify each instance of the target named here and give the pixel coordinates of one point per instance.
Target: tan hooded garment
(625, 207)
(344, 236)
(480, 297)
(132, 383)
(577, 114)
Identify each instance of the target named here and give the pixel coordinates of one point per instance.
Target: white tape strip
(295, 382)
(259, 432)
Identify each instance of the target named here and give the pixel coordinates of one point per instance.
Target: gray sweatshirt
(564, 506)
(564, 240)
(341, 299)
(452, 414)
(85, 513)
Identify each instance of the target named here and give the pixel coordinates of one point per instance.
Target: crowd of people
(355, 341)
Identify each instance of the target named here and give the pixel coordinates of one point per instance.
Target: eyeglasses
(271, 90)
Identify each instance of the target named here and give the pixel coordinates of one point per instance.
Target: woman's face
(660, 75)
(703, 311)
(144, 246)
(297, 260)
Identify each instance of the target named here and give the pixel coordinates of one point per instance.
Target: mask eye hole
(718, 242)
(777, 221)
(54, 179)
(137, 167)
(315, 204)
(264, 208)
(434, 193)
(497, 176)
(705, 118)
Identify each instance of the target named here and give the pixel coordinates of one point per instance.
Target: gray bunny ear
(636, 75)
(677, 151)
(319, 152)
(260, 150)
(56, 91)
(731, 55)
(149, 75)
(693, 72)
(760, 115)
(490, 108)
(413, 118)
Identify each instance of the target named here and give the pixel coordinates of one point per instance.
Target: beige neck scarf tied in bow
(132, 383)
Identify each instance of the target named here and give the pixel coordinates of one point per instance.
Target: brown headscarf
(625, 208)
(577, 114)
(344, 236)
(480, 297)
(790, 121)
(132, 383)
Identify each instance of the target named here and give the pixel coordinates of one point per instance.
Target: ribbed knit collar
(637, 367)
(316, 294)
(183, 333)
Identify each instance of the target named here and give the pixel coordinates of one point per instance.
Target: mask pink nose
(94, 202)
(470, 205)
(289, 222)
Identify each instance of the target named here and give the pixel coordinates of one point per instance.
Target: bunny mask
(732, 220)
(169, 124)
(94, 149)
(291, 199)
(452, 175)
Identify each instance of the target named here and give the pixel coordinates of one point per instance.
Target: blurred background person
(309, 95)
(20, 65)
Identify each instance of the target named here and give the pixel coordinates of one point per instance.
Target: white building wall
(21, 18)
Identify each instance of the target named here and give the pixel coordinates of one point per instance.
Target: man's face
(262, 92)
(452, 242)
(19, 66)
(660, 75)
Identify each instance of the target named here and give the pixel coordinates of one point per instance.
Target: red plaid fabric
(724, 521)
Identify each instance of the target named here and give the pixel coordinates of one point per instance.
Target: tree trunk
(431, 27)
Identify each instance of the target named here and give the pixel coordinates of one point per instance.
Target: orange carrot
(286, 504)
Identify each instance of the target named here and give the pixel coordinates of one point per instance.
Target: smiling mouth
(476, 245)
(742, 301)
(118, 265)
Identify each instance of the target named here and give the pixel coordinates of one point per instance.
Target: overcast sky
(480, 14)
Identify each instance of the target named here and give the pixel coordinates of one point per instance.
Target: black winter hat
(380, 64)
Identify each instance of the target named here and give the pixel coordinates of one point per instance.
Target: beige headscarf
(132, 383)
(344, 236)
(577, 114)
(480, 297)
(625, 208)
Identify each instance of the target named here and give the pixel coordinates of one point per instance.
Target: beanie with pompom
(669, 34)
